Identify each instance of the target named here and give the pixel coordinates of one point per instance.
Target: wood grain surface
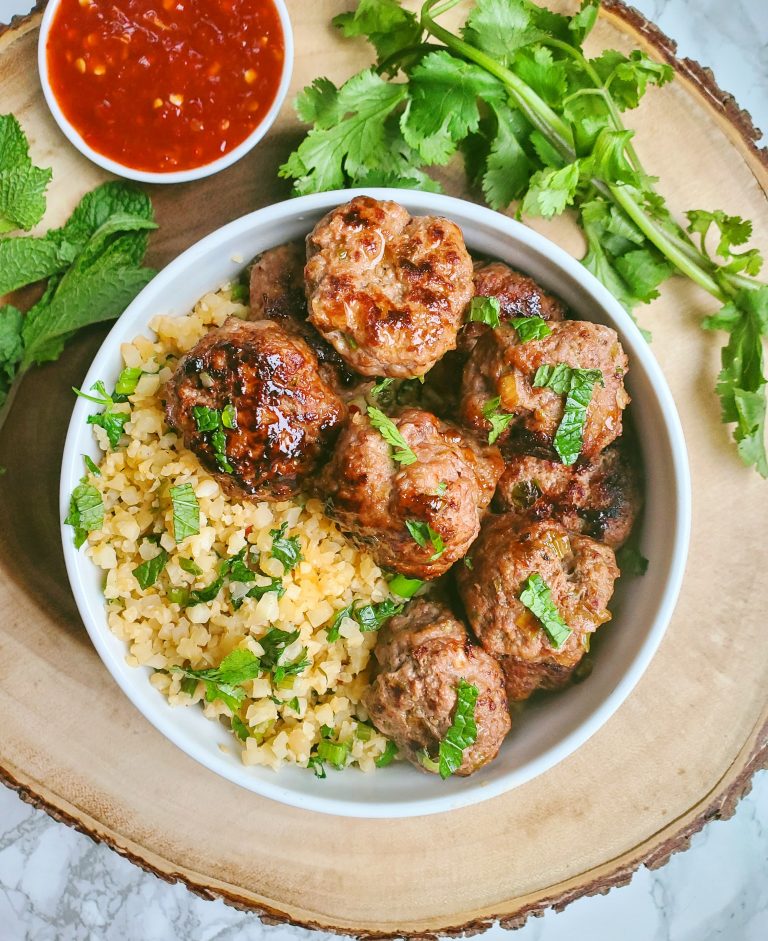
(679, 752)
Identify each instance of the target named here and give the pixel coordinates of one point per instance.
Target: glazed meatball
(374, 498)
(579, 572)
(423, 654)
(600, 499)
(277, 293)
(502, 366)
(283, 415)
(387, 290)
(518, 296)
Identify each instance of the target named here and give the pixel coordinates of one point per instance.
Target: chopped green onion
(404, 587)
(189, 566)
(335, 753)
(387, 756)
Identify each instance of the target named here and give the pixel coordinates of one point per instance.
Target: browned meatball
(502, 366)
(423, 655)
(388, 291)
(599, 499)
(285, 415)
(579, 573)
(518, 296)
(373, 497)
(277, 293)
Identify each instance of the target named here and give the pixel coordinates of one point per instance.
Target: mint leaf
(537, 597)
(11, 346)
(577, 385)
(22, 185)
(186, 512)
(86, 512)
(462, 732)
(26, 259)
(530, 328)
(148, 572)
(484, 310)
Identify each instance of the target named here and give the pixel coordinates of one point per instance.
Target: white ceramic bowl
(548, 730)
(179, 176)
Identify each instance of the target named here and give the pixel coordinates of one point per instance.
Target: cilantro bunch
(538, 123)
(91, 266)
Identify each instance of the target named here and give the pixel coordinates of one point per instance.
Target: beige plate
(679, 752)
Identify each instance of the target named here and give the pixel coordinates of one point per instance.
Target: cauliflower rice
(284, 720)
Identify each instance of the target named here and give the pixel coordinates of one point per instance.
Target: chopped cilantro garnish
(537, 597)
(317, 766)
(463, 730)
(424, 535)
(387, 756)
(110, 420)
(285, 549)
(401, 452)
(499, 420)
(148, 572)
(274, 643)
(531, 328)
(186, 512)
(484, 310)
(206, 419)
(333, 631)
(370, 617)
(212, 422)
(240, 729)
(577, 385)
(86, 512)
(224, 682)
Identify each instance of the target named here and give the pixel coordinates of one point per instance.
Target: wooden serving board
(680, 751)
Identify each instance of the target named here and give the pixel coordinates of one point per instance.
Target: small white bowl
(549, 729)
(177, 176)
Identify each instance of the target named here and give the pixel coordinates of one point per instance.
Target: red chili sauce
(165, 85)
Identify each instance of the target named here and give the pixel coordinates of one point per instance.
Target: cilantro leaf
(462, 732)
(550, 191)
(507, 167)
(148, 572)
(484, 310)
(386, 25)
(443, 106)
(285, 549)
(354, 144)
(733, 230)
(741, 383)
(86, 512)
(424, 535)
(499, 420)
(333, 633)
(627, 77)
(501, 27)
(530, 328)
(240, 729)
(401, 451)
(225, 681)
(537, 597)
(274, 643)
(186, 512)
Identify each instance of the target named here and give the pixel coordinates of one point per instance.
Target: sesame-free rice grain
(284, 720)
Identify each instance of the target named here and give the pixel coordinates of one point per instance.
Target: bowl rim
(162, 720)
(174, 176)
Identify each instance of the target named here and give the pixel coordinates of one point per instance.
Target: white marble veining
(57, 885)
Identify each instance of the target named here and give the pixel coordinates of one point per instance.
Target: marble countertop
(57, 885)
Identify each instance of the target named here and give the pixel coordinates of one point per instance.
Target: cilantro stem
(535, 109)
(658, 237)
